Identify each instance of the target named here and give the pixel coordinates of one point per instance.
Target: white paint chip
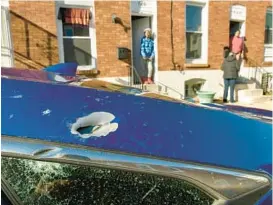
(46, 112)
(17, 96)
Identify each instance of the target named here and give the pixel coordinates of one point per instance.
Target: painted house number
(238, 12)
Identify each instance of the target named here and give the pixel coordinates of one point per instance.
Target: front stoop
(257, 99)
(151, 87)
(249, 93)
(250, 96)
(154, 88)
(243, 86)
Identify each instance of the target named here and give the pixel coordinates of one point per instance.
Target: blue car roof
(140, 125)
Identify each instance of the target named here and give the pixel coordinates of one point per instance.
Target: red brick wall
(218, 32)
(255, 30)
(165, 51)
(35, 43)
(33, 30)
(110, 36)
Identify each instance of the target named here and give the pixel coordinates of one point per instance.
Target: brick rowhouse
(35, 44)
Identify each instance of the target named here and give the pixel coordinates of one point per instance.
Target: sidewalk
(267, 105)
(263, 105)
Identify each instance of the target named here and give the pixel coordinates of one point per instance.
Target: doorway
(139, 23)
(233, 27)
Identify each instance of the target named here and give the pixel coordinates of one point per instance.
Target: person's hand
(144, 58)
(151, 58)
(242, 55)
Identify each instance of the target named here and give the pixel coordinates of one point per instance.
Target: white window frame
(268, 48)
(7, 56)
(92, 33)
(204, 32)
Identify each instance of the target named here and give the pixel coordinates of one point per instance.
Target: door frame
(242, 34)
(153, 20)
(242, 26)
(241, 19)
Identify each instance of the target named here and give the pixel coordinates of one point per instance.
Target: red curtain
(77, 16)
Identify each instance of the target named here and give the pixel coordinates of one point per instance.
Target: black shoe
(224, 101)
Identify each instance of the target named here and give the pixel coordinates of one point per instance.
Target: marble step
(249, 93)
(255, 99)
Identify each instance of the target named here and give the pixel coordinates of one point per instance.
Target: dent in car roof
(144, 126)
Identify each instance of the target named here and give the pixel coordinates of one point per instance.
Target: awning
(75, 16)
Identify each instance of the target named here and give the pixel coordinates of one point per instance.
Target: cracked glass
(48, 183)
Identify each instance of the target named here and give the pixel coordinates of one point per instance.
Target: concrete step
(257, 99)
(152, 88)
(243, 86)
(249, 93)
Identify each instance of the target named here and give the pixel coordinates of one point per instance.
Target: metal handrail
(157, 82)
(261, 71)
(257, 65)
(170, 88)
(133, 75)
(166, 88)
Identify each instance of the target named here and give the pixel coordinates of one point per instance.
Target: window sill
(267, 63)
(268, 45)
(85, 68)
(188, 65)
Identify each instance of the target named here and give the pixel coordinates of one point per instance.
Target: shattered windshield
(48, 183)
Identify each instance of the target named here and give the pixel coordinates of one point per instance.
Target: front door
(233, 27)
(139, 23)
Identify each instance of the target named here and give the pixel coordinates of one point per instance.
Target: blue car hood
(136, 125)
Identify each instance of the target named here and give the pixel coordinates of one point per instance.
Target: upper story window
(37, 182)
(196, 33)
(268, 26)
(268, 49)
(77, 36)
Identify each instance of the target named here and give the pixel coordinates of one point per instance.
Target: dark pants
(229, 83)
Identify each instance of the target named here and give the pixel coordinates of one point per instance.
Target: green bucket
(205, 96)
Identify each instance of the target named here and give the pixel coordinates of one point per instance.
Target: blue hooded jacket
(147, 47)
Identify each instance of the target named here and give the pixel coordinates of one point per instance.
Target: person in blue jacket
(148, 54)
